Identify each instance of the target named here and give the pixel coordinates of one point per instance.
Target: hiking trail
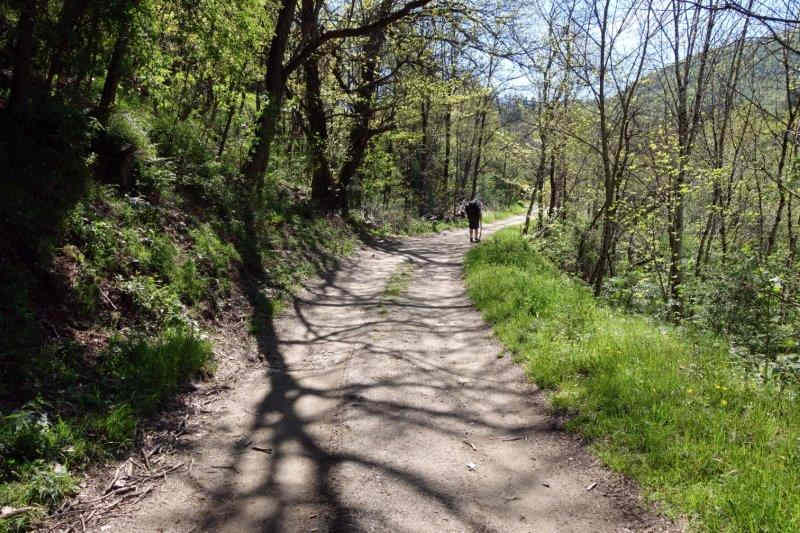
(387, 405)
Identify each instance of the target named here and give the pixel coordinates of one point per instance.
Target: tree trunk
(791, 238)
(527, 225)
(446, 174)
(553, 188)
(71, 12)
(477, 167)
(23, 59)
(226, 131)
(321, 179)
(539, 186)
(609, 178)
(114, 72)
(360, 133)
(468, 162)
(424, 157)
(258, 156)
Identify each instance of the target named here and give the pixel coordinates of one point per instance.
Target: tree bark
(477, 166)
(115, 71)
(448, 118)
(71, 12)
(360, 133)
(23, 59)
(321, 178)
(274, 81)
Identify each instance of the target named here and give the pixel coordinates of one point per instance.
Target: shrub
(180, 140)
(159, 301)
(149, 371)
(28, 434)
(126, 127)
(190, 284)
(118, 426)
(215, 255)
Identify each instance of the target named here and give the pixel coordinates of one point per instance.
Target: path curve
(379, 414)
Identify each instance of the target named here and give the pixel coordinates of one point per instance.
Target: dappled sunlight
(378, 412)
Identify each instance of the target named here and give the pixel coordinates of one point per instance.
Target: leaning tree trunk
(114, 72)
(227, 129)
(527, 224)
(360, 133)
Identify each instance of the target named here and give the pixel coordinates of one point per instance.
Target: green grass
(670, 407)
(397, 284)
(40, 451)
(399, 281)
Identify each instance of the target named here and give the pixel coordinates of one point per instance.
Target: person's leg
(473, 227)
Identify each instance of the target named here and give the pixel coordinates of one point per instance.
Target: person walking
(474, 210)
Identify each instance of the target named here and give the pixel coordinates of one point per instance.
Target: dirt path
(381, 414)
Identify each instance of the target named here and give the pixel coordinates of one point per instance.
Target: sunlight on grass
(669, 407)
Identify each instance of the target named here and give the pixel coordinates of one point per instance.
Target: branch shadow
(330, 312)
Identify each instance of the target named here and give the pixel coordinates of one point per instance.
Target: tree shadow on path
(340, 314)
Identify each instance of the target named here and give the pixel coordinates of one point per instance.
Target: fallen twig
(107, 299)
(510, 438)
(10, 512)
(225, 467)
(268, 451)
(113, 480)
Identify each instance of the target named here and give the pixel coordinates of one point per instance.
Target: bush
(215, 255)
(118, 426)
(181, 141)
(160, 303)
(149, 371)
(126, 127)
(754, 304)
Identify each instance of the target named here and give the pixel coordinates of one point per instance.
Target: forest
(166, 162)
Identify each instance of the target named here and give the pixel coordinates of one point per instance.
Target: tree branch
(311, 46)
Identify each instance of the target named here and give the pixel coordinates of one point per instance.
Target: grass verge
(49, 439)
(671, 408)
